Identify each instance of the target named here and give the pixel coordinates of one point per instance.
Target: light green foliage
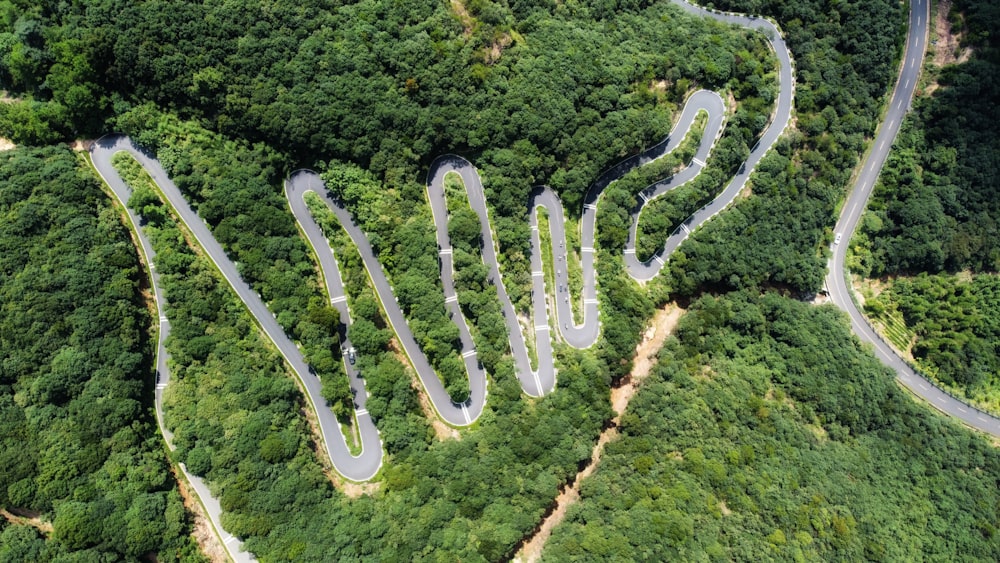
(765, 431)
(385, 377)
(77, 442)
(476, 295)
(956, 323)
(402, 236)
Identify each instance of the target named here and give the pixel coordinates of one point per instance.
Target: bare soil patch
(946, 47)
(662, 325)
(6, 144)
(948, 50)
(441, 430)
(496, 48)
(203, 532)
(82, 145)
(27, 518)
(463, 16)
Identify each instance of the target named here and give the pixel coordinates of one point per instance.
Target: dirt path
(645, 358)
(201, 530)
(26, 518)
(947, 50)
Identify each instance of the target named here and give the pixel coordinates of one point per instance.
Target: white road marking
(465, 411)
(452, 299)
(537, 274)
(362, 412)
(923, 386)
(445, 251)
(163, 319)
(629, 251)
(468, 354)
(590, 301)
(698, 162)
(963, 409)
(589, 206)
(230, 539)
(161, 385)
(340, 299)
(587, 249)
(540, 328)
(660, 260)
(686, 229)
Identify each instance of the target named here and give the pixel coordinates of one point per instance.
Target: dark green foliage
(236, 416)
(844, 52)
(936, 206)
(766, 432)
(77, 441)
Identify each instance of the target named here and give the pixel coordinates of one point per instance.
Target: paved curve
(101, 155)
(535, 382)
(854, 207)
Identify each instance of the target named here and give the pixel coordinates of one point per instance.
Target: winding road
(101, 154)
(541, 379)
(837, 276)
(535, 382)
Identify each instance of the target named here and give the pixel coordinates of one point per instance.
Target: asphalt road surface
(854, 207)
(101, 155)
(541, 379)
(535, 381)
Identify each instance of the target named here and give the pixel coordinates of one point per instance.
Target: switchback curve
(535, 382)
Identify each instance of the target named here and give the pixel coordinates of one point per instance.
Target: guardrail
(916, 369)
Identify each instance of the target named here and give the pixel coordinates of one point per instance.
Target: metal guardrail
(916, 369)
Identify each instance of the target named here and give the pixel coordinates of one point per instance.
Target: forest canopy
(78, 445)
(936, 206)
(765, 430)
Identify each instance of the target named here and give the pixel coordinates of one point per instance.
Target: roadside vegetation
(950, 324)
(662, 215)
(386, 378)
(766, 430)
(79, 449)
(930, 236)
(476, 295)
(844, 64)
